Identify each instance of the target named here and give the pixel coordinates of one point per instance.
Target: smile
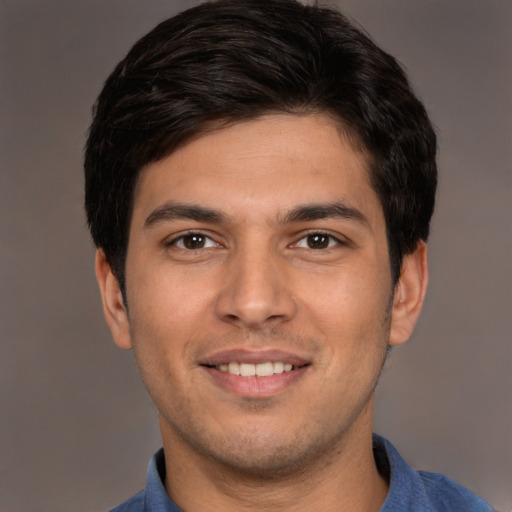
(258, 379)
(258, 374)
(255, 370)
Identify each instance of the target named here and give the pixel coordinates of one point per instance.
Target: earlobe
(409, 295)
(114, 307)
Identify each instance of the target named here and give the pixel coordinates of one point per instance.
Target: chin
(263, 455)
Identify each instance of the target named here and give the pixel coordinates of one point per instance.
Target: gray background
(76, 427)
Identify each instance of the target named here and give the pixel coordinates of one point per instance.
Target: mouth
(266, 369)
(255, 374)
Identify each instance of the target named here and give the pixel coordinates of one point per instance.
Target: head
(259, 181)
(229, 61)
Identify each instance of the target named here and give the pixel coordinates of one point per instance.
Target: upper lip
(253, 357)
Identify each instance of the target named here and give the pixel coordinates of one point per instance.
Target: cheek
(166, 298)
(353, 297)
(162, 322)
(160, 340)
(351, 314)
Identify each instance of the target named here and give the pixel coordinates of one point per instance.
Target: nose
(256, 292)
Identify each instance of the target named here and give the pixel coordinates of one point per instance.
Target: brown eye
(318, 241)
(194, 241)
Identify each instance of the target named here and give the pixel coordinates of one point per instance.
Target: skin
(257, 274)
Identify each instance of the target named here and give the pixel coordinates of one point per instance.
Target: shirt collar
(156, 498)
(406, 491)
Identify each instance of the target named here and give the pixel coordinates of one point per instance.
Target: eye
(318, 241)
(193, 241)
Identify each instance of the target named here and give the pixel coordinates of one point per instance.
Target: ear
(409, 295)
(114, 307)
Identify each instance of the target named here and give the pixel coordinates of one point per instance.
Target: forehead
(276, 161)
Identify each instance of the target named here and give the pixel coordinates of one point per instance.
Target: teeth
(247, 370)
(278, 367)
(264, 369)
(234, 368)
(258, 370)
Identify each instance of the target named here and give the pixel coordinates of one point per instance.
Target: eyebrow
(170, 212)
(311, 212)
(303, 213)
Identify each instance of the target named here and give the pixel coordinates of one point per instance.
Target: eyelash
(181, 238)
(332, 241)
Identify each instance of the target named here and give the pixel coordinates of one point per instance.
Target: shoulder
(134, 504)
(445, 495)
(421, 491)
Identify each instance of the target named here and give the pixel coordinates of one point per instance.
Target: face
(259, 292)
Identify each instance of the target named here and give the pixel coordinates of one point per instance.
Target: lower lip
(256, 387)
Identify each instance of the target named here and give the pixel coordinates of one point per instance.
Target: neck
(345, 479)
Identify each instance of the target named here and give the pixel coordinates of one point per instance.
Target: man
(260, 180)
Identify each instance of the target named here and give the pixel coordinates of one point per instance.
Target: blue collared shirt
(409, 490)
